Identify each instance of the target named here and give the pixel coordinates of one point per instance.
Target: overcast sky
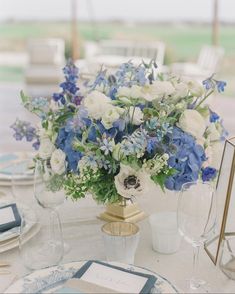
(127, 10)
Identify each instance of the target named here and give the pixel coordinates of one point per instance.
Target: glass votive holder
(120, 241)
(227, 258)
(165, 236)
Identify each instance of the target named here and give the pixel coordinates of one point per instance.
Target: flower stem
(204, 99)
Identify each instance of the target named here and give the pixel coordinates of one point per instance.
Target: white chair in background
(209, 61)
(44, 71)
(112, 53)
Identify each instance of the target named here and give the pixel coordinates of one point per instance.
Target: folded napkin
(80, 286)
(9, 217)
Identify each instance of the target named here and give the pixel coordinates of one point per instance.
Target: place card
(9, 217)
(115, 278)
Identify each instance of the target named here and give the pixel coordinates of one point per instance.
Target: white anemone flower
(131, 183)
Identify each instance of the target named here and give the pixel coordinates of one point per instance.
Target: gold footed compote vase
(125, 210)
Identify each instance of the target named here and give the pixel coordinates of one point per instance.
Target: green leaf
(159, 180)
(25, 99)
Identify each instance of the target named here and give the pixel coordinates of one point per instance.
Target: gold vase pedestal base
(126, 213)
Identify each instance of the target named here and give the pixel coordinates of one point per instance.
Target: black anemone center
(131, 182)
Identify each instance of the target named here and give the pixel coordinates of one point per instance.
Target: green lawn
(183, 42)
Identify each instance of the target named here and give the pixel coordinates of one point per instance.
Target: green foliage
(99, 183)
(160, 178)
(55, 183)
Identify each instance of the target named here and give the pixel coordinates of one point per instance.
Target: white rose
(97, 104)
(124, 92)
(181, 90)
(46, 148)
(161, 88)
(196, 89)
(136, 92)
(213, 133)
(136, 115)
(58, 162)
(110, 116)
(193, 123)
(217, 151)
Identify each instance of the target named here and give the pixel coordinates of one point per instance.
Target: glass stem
(196, 250)
(195, 282)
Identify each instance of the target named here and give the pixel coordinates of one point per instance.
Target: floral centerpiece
(121, 131)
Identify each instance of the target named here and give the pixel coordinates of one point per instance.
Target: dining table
(82, 232)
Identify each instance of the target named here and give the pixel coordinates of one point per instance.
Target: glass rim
(137, 229)
(195, 183)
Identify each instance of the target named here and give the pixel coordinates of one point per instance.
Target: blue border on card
(147, 287)
(15, 223)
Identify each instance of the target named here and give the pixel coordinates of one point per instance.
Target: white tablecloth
(82, 232)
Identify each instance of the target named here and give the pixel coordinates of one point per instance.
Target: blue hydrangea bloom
(64, 141)
(208, 173)
(187, 160)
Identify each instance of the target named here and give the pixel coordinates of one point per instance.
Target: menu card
(9, 217)
(115, 278)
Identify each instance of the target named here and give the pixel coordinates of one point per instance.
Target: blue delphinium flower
(208, 84)
(70, 89)
(78, 122)
(100, 80)
(208, 173)
(71, 72)
(187, 160)
(23, 129)
(220, 86)
(211, 83)
(214, 117)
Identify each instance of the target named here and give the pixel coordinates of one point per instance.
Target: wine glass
(22, 179)
(196, 220)
(47, 195)
(43, 247)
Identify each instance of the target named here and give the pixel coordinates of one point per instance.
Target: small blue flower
(208, 173)
(106, 146)
(220, 86)
(23, 129)
(208, 84)
(214, 117)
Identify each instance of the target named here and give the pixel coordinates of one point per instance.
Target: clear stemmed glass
(46, 196)
(196, 220)
(45, 247)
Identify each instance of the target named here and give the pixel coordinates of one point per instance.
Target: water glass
(165, 236)
(196, 221)
(121, 241)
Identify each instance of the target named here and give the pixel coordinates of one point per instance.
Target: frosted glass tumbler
(165, 236)
(121, 240)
